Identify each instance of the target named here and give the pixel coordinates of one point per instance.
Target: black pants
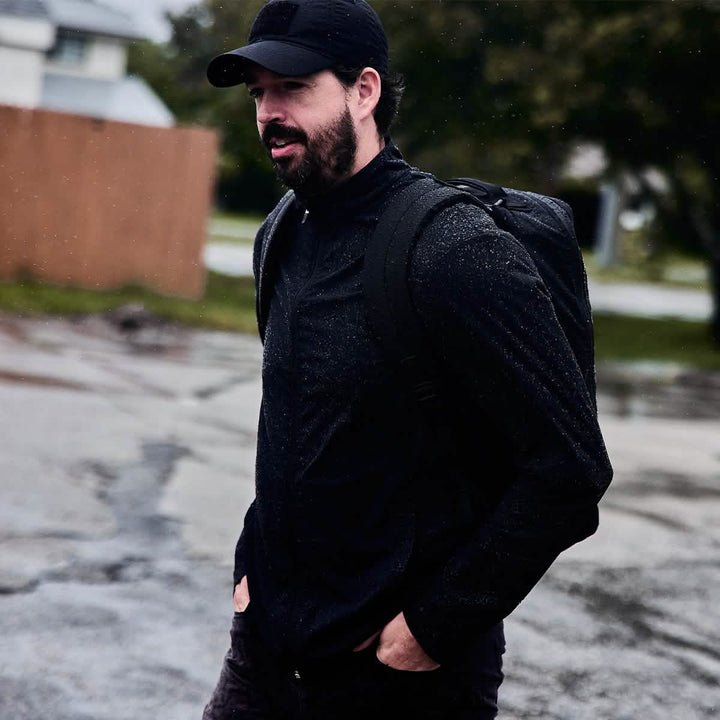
(354, 686)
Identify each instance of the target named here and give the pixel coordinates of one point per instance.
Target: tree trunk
(715, 294)
(705, 226)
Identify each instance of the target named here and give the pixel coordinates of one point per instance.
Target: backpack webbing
(391, 312)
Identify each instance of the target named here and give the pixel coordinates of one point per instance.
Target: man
(386, 543)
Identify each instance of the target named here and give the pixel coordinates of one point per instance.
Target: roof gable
(126, 100)
(23, 8)
(91, 17)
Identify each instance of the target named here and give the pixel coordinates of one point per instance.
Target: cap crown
(347, 32)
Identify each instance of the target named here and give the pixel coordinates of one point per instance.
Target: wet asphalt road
(127, 466)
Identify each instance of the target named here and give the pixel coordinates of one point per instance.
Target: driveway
(127, 466)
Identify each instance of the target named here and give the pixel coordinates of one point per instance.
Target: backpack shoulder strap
(487, 193)
(391, 312)
(263, 251)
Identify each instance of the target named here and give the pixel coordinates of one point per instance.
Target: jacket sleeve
(493, 325)
(240, 567)
(240, 564)
(257, 251)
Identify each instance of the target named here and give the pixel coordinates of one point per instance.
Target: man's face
(306, 127)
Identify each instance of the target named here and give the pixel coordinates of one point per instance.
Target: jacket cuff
(431, 640)
(239, 570)
(434, 636)
(443, 639)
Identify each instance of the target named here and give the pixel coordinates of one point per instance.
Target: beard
(328, 158)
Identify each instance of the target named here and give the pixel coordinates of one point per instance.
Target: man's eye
(294, 86)
(255, 93)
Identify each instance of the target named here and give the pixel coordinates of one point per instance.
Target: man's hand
(400, 650)
(241, 597)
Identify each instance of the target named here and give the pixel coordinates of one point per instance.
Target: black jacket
(366, 506)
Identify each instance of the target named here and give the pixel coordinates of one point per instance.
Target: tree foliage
(503, 91)
(176, 71)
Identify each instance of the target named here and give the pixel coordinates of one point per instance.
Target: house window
(69, 49)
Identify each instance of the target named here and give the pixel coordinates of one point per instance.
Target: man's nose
(269, 110)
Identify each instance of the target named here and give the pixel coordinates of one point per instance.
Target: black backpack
(543, 225)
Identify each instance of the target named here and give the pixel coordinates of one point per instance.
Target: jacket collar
(363, 192)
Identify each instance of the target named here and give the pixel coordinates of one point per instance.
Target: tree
(176, 71)
(516, 85)
(504, 91)
(654, 104)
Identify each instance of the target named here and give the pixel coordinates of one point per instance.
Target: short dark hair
(391, 91)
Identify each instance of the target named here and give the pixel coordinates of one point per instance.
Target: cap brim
(234, 67)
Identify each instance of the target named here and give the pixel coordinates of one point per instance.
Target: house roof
(127, 100)
(23, 8)
(92, 17)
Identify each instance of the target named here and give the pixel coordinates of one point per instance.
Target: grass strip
(228, 303)
(626, 338)
(228, 228)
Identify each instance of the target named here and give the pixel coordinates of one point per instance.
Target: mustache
(276, 131)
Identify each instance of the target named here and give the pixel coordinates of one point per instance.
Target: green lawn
(626, 338)
(619, 337)
(671, 269)
(228, 303)
(233, 228)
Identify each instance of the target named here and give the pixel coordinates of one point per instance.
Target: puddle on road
(40, 380)
(138, 334)
(638, 391)
(141, 334)
(663, 483)
(624, 390)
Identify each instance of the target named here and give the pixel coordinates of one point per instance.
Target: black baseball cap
(301, 37)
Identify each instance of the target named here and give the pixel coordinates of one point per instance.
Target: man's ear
(368, 86)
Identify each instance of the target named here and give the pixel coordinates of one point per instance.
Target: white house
(71, 56)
